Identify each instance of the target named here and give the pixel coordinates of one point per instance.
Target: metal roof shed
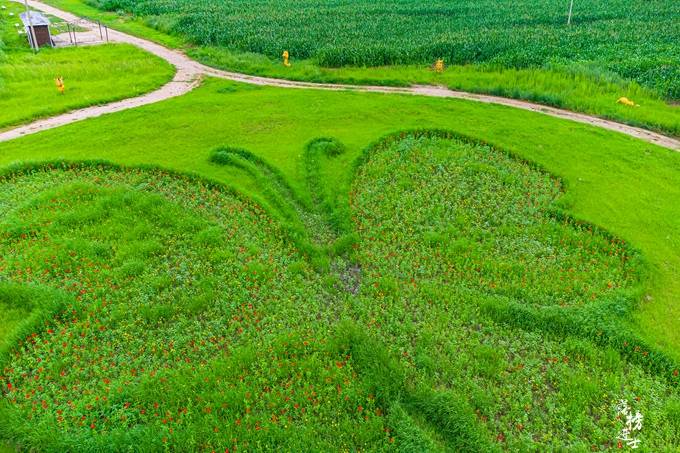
(41, 29)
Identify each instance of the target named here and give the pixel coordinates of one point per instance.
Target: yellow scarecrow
(59, 82)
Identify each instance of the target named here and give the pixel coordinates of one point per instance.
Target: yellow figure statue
(286, 56)
(59, 82)
(439, 66)
(626, 101)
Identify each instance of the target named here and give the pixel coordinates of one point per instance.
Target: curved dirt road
(189, 73)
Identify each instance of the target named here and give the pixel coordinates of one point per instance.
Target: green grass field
(249, 268)
(588, 300)
(577, 84)
(92, 75)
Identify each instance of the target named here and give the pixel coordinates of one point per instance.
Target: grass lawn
(626, 186)
(92, 75)
(583, 87)
(575, 87)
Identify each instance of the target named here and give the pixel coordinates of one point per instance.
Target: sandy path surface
(189, 73)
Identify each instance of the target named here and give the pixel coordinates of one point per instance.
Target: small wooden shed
(41, 29)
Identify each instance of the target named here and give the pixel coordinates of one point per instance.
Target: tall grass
(227, 338)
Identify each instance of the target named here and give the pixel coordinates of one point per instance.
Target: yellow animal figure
(286, 56)
(439, 66)
(59, 82)
(626, 101)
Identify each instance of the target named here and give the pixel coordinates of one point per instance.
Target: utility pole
(34, 40)
(571, 8)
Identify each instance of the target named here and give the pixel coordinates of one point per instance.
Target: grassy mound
(192, 323)
(490, 220)
(188, 317)
(448, 229)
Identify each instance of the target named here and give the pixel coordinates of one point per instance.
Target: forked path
(189, 73)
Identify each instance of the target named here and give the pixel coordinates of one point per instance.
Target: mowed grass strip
(624, 185)
(574, 86)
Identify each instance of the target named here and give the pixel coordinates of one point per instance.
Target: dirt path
(189, 73)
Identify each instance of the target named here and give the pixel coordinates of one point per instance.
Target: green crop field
(258, 269)
(92, 75)
(633, 39)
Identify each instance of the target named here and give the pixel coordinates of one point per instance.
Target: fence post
(571, 8)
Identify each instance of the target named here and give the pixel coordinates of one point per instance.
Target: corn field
(637, 40)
